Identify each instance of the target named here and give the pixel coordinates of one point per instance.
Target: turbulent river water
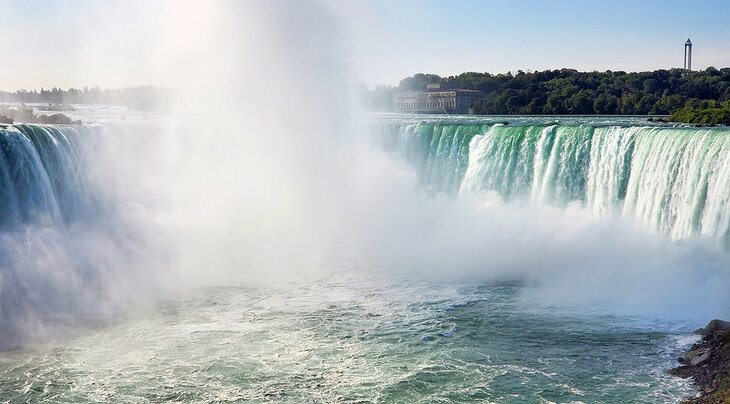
(356, 339)
(359, 335)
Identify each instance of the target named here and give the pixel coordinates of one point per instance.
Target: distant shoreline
(567, 91)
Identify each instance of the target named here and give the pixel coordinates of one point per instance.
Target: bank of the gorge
(708, 364)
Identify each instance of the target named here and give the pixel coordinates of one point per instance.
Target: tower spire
(688, 55)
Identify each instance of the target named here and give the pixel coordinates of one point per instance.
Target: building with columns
(435, 100)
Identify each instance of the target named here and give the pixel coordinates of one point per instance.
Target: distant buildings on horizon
(436, 100)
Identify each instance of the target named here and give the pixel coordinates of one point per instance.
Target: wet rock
(713, 327)
(708, 364)
(699, 359)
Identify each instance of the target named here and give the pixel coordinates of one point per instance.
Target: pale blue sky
(115, 43)
(449, 37)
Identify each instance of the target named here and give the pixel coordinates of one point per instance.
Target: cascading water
(67, 251)
(675, 180)
(42, 191)
(41, 175)
(360, 334)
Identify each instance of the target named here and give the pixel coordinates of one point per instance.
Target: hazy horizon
(393, 40)
(393, 84)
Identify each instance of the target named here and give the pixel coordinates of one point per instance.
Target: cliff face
(708, 364)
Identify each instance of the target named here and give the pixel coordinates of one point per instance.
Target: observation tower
(688, 55)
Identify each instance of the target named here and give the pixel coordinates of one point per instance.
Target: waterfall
(53, 253)
(41, 175)
(675, 180)
(83, 228)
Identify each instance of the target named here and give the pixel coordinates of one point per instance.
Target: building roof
(688, 42)
(442, 90)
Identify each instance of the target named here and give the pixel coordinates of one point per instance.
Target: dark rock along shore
(708, 364)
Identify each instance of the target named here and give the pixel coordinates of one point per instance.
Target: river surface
(348, 338)
(388, 334)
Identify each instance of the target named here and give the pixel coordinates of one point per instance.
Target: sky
(497, 36)
(113, 43)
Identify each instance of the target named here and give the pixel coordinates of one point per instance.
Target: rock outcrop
(714, 326)
(708, 364)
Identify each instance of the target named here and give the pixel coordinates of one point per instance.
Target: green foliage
(605, 103)
(704, 116)
(569, 91)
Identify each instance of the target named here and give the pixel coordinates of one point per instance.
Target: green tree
(581, 103)
(606, 104)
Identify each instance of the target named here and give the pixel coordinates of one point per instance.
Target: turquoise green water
(349, 338)
(376, 335)
(672, 179)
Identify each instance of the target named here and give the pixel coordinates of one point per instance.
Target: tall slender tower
(688, 55)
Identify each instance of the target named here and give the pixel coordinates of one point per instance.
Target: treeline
(140, 98)
(568, 91)
(704, 116)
